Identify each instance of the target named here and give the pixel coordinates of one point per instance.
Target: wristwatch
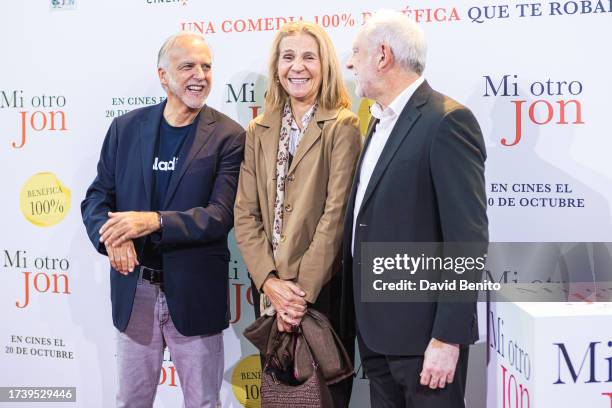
(160, 219)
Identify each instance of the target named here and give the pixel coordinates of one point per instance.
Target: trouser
(395, 381)
(140, 349)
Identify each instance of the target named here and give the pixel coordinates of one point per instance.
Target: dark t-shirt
(165, 162)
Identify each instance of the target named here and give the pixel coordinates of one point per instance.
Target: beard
(358, 90)
(361, 87)
(193, 102)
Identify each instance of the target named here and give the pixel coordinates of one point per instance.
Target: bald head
(179, 39)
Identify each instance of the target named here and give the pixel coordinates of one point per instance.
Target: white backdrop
(70, 66)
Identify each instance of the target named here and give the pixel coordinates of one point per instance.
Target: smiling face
(188, 75)
(299, 67)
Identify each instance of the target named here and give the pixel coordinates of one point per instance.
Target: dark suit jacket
(428, 186)
(197, 212)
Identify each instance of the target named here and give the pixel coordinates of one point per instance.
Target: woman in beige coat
(299, 160)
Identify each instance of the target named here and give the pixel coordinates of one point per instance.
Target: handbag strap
(270, 351)
(300, 334)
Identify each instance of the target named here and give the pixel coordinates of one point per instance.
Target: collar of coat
(271, 118)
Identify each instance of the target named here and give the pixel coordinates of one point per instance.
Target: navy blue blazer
(197, 212)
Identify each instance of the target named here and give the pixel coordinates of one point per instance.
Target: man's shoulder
(138, 114)
(444, 104)
(442, 109)
(448, 112)
(229, 125)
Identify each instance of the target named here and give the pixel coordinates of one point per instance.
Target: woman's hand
(288, 301)
(282, 325)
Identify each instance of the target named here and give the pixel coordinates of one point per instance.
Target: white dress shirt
(387, 118)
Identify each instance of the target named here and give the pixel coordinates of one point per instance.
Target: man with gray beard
(160, 208)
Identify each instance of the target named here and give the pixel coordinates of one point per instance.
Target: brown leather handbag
(280, 389)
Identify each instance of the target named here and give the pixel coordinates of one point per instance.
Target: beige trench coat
(316, 191)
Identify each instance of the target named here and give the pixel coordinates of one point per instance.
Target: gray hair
(403, 35)
(162, 56)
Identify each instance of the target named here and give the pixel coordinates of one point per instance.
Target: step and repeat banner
(536, 75)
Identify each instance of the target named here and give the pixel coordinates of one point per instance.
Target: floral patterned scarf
(282, 167)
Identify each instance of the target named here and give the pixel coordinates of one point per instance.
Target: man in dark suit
(420, 178)
(160, 208)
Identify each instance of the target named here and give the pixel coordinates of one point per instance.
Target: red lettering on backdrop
(42, 286)
(522, 399)
(171, 379)
(549, 115)
(549, 110)
(609, 394)
(38, 122)
(563, 104)
(238, 300)
(255, 111)
(519, 126)
(237, 296)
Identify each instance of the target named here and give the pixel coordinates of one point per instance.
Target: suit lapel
(148, 133)
(312, 134)
(269, 141)
(271, 122)
(194, 143)
(270, 135)
(410, 114)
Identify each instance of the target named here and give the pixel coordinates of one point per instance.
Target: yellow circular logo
(246, 381)
(44, 200)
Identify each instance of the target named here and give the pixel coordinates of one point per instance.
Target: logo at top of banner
(181, 2)
(63, 5)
